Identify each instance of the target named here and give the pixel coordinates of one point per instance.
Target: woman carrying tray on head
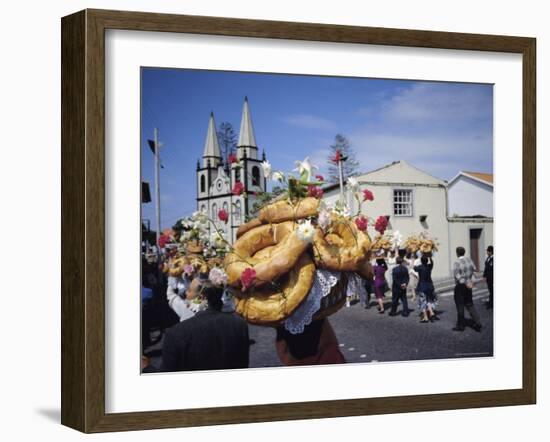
(425, 289)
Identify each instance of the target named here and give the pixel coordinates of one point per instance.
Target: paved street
(367, 336)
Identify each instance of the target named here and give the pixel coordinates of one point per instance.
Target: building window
(214, 212)
(402, 202)
(237, 174)
(255, 176)
(238, 212)
(203, 208)
(203, 183)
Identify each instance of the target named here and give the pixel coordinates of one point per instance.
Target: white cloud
(438, 127)
(309, 122)
(438, 102)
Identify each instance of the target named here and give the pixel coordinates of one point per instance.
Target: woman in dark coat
(425, 289)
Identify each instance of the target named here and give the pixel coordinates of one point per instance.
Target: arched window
(237, 174)
(238, 212)
(203, 184)
(203, 208)
(214, 212)
(225, 207)
(255, 176)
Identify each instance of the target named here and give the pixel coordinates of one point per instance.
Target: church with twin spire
(216, 176)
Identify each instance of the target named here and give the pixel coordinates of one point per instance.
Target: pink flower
(314, 191)
(188, 269)
(319, 177)
(368, 195)
(247, 277)
(238, 188)
(223, 215)
(232, 158)
(361, 223)
(381, 224)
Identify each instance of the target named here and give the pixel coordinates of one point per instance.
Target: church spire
(211, 152)
(246, 134)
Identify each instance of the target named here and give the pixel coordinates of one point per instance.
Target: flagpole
(157, 188)
(340, 172)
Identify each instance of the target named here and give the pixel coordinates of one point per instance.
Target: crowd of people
(410, 275)
(204, 332)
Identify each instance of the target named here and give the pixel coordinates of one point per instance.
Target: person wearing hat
(488, 275)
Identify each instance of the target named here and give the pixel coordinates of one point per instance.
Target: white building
(471, 194)
(414, 201)
(215, 179)
(471, 213)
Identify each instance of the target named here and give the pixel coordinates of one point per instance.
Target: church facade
(216, 177)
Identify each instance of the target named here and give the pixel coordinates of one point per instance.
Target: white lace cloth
(303, 315)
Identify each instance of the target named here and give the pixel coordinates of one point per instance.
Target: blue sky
(438, 127)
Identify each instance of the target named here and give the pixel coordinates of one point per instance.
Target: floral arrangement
(389, 240)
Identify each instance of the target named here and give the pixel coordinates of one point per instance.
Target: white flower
(306, 231)
(324, 219)
(397, 239)
(353, 184)
(278, 176)
(305, 169)
(341, 209)
(217, 239)
(266, 166)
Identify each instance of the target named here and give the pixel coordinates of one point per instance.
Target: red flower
(381, 224)
(314, 191)
(223, 215)
(247, 277)
(361, 223)
(337, 157)
(163, 240)
(319, 178)
(368, 195)
(238, 188)
(232, 158)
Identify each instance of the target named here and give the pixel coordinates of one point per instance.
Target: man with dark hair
(463, 272)
(210, 340)
(488, 275)
(400, 279)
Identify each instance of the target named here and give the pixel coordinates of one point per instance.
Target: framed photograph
(267, 220)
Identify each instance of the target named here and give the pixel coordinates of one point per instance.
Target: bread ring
(176, 265)
(214, 262)
(243, 228)
(194, 246)
(343, 248)
(273, 303)
(284, 211)
(280, 259)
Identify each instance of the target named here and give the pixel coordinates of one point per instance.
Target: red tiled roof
(487, 177)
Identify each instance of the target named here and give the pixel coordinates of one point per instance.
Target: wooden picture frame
(83, 210)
